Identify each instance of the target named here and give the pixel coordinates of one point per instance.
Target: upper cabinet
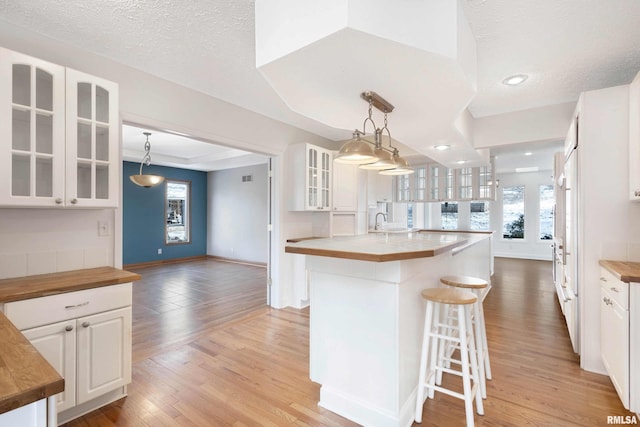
(58, 135)
(311, 169)
(436, 183)
(634, 139)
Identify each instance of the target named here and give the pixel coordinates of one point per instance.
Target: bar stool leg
(474, 366)
(464, 360)
(480, 348)
(423, 361)
(445, 346)
(485, 356)
(435, 343)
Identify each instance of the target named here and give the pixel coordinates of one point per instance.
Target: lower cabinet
(86, 337)
(616, 347)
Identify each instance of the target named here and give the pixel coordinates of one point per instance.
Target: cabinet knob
(602, 279)
(74, 201)
(614, 289)
(636, 193)
(86, 324)
(68, 328)
(58, 201)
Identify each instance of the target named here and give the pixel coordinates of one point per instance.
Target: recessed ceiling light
(528, 153)
(529, 169)
(442, 147)
(460, 162)
(515, 80)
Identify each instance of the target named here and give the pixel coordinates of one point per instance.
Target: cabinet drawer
(55, 308)
(618, 290)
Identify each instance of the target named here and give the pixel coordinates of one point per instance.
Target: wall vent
(247, 178)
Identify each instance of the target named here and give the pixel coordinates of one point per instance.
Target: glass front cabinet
(60, 136)
(311, 169)
(436, 183)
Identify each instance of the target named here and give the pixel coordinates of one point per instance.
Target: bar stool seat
(438, 334)
(477, 286)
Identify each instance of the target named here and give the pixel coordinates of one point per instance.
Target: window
(546, 212)
(479, 216)
(513, 212)
(449, 216)
(178, 204)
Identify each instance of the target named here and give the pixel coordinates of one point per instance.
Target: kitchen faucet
(383, 215)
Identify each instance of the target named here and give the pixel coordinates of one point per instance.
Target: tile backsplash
(40, 241)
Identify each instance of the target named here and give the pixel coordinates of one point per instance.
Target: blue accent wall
(144, 216)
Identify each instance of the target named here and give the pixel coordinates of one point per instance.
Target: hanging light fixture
(360, 151)
(146, 181)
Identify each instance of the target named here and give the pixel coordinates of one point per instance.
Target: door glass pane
(44, 134)
(102, 182)
(547, 200)
(21, 84)
(21, 130)
(102, 104)
(84, 181)
(44, 90)
(102, 143)
(84, 100)
(513, 212)
(20, 173)
(84, 141)
(44, 177)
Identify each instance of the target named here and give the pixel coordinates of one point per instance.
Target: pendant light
(146, 181)
(360, 151)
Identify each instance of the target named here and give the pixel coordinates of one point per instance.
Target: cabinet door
(325, 179)
(345, 187)
(614, 344)
(92, 134)
(57, 344)
(104, 353)
(32, 104)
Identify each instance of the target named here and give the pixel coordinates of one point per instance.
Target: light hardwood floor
(208, 352)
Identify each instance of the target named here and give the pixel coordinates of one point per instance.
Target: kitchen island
(366, 315)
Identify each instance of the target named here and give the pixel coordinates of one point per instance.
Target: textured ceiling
(566, 47)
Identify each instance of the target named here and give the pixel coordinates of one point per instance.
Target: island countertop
(381, 247)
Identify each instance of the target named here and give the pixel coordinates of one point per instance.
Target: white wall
(531, 247)
(237, 214)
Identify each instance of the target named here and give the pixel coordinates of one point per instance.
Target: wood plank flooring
(208, 352)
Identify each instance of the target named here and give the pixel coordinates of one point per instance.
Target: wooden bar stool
(437, 334)
(477, 286)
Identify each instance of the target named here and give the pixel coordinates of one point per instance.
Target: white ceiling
(565, 47)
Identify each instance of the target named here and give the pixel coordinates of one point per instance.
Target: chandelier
(372, 155)
(146, 181)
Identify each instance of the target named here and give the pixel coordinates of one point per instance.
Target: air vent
(247, 178)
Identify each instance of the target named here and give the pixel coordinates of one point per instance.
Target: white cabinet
(435, 183)
(59, 138)
(614, 333)
(86, 337)
(310, 182)
(634, 139)
(345, 187)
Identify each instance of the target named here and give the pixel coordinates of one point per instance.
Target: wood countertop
(41, 285)
(382, 247)
(25, 376)
(626, 271)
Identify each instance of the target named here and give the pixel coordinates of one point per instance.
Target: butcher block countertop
(41, 285)
(626, 271)
(25, 376)
(381, 247)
